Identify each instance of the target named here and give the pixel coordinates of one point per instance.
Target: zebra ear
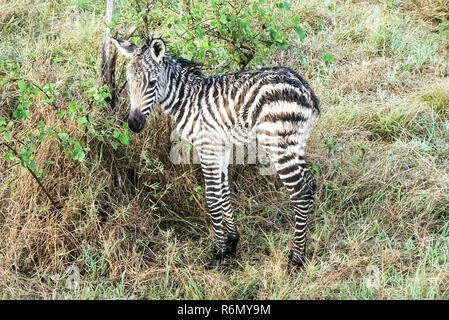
(125, 47)
(157, 49)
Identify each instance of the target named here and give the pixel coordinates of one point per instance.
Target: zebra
(215, 112)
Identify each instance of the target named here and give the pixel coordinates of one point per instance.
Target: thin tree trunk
(108, 57)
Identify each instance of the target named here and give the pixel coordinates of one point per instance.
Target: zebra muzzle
(136, 121)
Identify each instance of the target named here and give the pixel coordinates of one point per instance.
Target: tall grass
(135, 224)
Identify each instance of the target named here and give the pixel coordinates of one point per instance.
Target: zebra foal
(215, 112)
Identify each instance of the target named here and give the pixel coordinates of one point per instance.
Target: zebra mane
(188, 65)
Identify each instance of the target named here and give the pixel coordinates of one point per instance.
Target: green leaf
(301, 33)
(82, 121)
(61, 113)
(200, 33)
(114, 145)
(8, 136)
(124, 139)
(29, 54)
(22, 85)
(283, 45)
(223, 19)
(274, 34)
(202, 54)
(42, 136)
(41, 124)
(284, 6)
(72, 109)
(9, 155)
(328, 57)
(34, 91)
(25, 156)
(320, 25)
(116, 134)
(63, 136)
(296, 21)
(78, 153)
(303, 59)
(22, 111)
(31, 165)
(330, 144)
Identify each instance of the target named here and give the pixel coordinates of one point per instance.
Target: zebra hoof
(296, 260)
(218, 256)
(213, 264)
(231, 251)
(231, 244)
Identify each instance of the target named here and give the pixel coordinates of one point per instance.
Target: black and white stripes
(274, 104)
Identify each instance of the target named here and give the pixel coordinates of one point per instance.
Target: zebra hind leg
(301, 184)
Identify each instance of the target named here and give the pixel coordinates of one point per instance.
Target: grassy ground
(135, 228)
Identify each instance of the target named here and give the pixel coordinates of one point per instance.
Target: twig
(122, 87)
(37, 86)
(145, 16)
(249, 55)
(53, 202)
(42, 90)
(46, 94)
(130, 33)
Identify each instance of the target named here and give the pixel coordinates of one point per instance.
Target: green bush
(223, 35)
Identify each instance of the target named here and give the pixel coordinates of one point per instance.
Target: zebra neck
(181, 94)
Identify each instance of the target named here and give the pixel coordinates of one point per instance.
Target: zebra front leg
(233, 235)
(212, 180)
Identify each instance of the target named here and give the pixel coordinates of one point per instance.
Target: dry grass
(134, 226)
(429, 10)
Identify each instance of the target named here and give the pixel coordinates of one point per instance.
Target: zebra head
(142, 73)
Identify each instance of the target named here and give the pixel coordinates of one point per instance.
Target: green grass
(135, 225)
